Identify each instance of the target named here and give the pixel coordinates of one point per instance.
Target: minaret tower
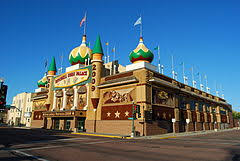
(97, 65)
(52, 70)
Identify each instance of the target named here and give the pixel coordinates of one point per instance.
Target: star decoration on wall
(126, 113)
(117, 114)
(108, 114)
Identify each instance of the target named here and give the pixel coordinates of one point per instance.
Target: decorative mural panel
(82, 97)
(118, 112)
(162, 97)
(76, 77)
(70, 101)
(118, 96)
(37, 105)
(37, 115)
(163, 113)
(59, 102)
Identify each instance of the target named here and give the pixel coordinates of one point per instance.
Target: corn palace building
(95, 97)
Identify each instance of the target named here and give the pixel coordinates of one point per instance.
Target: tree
(236, 115)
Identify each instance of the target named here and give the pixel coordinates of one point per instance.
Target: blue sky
(201, 33)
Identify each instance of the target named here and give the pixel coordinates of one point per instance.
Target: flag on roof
(156, 48)
(138, 22)
(83, 20)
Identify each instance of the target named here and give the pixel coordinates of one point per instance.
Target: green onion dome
(79, 55)
(43, 82)
(141, 53)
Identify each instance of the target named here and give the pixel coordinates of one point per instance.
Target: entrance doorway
(81, 124)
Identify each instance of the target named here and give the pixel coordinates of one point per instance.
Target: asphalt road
(37, 144)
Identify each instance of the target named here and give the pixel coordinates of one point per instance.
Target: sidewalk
(174, 135)
(162, 136)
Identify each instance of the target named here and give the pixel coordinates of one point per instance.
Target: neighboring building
(43, 97)
(3, 116)
(96, 97)
(20, 111)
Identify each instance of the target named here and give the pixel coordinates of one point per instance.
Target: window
(192, 105)
(200, 106)
(182, 102)
(68, 123)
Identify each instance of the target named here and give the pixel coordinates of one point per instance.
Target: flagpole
(114, 55)
(85, 23)
(159, 65)
(141, 27)
(107, 52)
(173, 69)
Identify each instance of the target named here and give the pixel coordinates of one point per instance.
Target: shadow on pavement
(12, 136)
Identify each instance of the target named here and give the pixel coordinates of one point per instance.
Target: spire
(97, 46)
(52, 68)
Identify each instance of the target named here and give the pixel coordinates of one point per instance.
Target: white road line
(29, 155)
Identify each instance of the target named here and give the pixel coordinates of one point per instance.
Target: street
(38, 144)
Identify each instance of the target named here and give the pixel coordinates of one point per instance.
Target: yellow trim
(71, 72)
(109, 136)
(121, 137)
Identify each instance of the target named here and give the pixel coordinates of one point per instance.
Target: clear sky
(201, 33)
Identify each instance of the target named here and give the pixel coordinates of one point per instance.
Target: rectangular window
(200, 106)
(57, 124)
(192, 105)
(182, 103)
(68, 124)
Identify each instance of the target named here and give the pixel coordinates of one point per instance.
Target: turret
(52, 70)
(97, 65)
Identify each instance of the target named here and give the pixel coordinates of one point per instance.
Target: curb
(102, 135)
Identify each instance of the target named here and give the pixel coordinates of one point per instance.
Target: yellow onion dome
(79, 55)
(141, 53)
(42, 82)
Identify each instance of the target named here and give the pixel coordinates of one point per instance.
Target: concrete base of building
(37, 124)
(206, 126)
(121, 127)
(190, 127)
(176, 127)
(198, 126)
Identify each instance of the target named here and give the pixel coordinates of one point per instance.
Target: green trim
(78, 58)
(97, 46)
(41, 83)
(52, 66)
(147, 55)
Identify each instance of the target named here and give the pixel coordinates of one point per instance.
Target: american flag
(83, 20)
